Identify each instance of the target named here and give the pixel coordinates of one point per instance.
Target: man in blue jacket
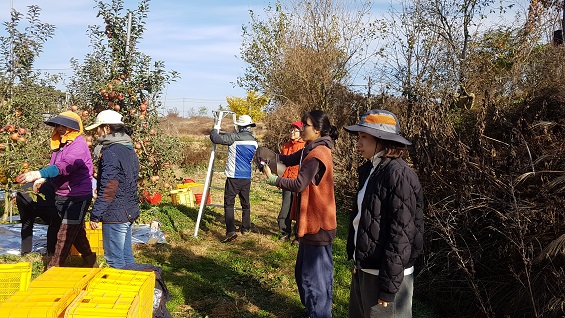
(242, 147)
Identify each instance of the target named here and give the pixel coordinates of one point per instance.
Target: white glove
(37, 184)
(28, 177)
(217, 126)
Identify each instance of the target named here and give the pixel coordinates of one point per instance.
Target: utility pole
(369, 84)
(128, 36)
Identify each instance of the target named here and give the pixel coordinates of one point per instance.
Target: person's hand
(28, 177)
(267, 171)
(382, 303)
(217, 127)
(37, 184)
(94, 225)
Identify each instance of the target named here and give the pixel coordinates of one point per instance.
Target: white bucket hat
(244, 121)
(106, 117)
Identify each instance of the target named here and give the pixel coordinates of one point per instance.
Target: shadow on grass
(214, 217)
(212, 288)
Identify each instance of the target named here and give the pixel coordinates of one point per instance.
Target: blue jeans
(117, 244)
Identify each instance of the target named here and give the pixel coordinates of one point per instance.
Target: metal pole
(206, 187)
(129, 32)
(218, 115)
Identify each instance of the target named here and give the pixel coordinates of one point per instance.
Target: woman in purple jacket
(70, 171)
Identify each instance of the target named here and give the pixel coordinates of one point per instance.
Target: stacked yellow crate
(40, 302)
(127, 283)
(75, 278)
(13, 278)
(49, 294)
(104, 303)
(72, 292)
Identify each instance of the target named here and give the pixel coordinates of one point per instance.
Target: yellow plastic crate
(103, 303)
(39, 302)
(182, 197)
(13, 278)
(188, 185)
(94, 238)
(75, 278)
(127, 281)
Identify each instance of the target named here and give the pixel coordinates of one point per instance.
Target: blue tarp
(10, 239)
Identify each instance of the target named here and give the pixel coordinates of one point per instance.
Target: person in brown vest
(314, 210)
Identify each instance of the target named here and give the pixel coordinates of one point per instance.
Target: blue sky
(199, 39)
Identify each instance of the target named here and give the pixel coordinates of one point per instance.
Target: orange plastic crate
(103, 303)
(127, 281)
(39, 302)
(13, 278)
(75, 278)
(94, 238)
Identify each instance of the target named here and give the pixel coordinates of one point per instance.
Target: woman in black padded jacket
(386, 226)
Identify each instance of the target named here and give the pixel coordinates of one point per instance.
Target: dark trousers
(314, 274)
(284, 220)
(239, 187)
(72, 211)
(29, 210)
(364, 296)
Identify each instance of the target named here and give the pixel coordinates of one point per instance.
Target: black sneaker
(284, 238)
(295, 242)
(229, 237)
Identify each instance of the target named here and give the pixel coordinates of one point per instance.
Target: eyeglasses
(294, 131)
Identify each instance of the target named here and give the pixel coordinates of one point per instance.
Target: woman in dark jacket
(116, 205)
(386, 227)
(314, 210)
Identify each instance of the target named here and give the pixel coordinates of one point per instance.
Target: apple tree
(25, 95)
(116, 75)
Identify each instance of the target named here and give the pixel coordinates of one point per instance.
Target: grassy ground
(252, 276)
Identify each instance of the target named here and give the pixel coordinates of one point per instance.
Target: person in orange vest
(293, 145)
